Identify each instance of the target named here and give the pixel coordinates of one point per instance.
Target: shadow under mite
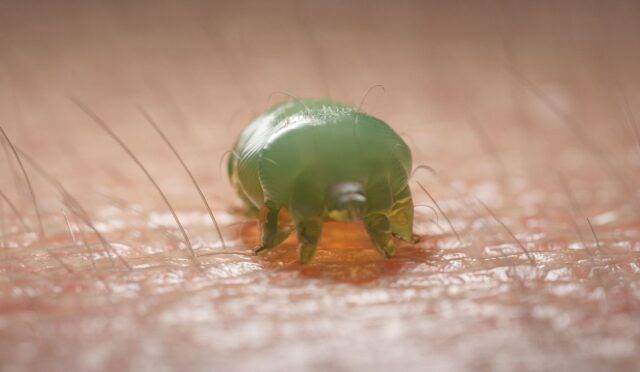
(345, 253)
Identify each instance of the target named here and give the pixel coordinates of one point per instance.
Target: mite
(320, 160)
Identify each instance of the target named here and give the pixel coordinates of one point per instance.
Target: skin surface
(318, 160)
(528, 112)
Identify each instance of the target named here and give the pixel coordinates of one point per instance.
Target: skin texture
(548, 281)
(318, 160)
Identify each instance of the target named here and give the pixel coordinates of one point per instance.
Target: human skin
(526, 111)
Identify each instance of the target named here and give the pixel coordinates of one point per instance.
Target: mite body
(321, 160)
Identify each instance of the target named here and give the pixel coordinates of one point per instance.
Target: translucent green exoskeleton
(322, 160)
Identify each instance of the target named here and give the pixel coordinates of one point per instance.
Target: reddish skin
(482, 306)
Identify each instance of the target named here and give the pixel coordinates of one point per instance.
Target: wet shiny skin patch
(345, 253)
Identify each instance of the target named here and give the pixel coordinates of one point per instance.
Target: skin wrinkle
(545, 279)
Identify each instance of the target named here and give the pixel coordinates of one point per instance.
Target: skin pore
(528, 258)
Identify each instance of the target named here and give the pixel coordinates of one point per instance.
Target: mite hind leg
(271, 233)
(401, 217)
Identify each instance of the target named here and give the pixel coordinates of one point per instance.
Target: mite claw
(260, 251)
(414, 239)
(388, 251)
(306, 253)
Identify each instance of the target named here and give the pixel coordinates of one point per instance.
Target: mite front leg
(309, 231)
(401, 217)
(379, 228)
(271, 234)
(307, 209)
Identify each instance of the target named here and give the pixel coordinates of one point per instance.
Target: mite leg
(309, 231)
(379, 228)
(271, 234)
(307, 211)
(378, 225)
(401, 217)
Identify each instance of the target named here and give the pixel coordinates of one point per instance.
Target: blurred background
(526, 110)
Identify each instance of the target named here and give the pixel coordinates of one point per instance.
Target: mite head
(346, 201)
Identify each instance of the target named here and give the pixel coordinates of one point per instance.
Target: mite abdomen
(337, 142)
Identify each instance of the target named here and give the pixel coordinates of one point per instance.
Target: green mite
(320, 161)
